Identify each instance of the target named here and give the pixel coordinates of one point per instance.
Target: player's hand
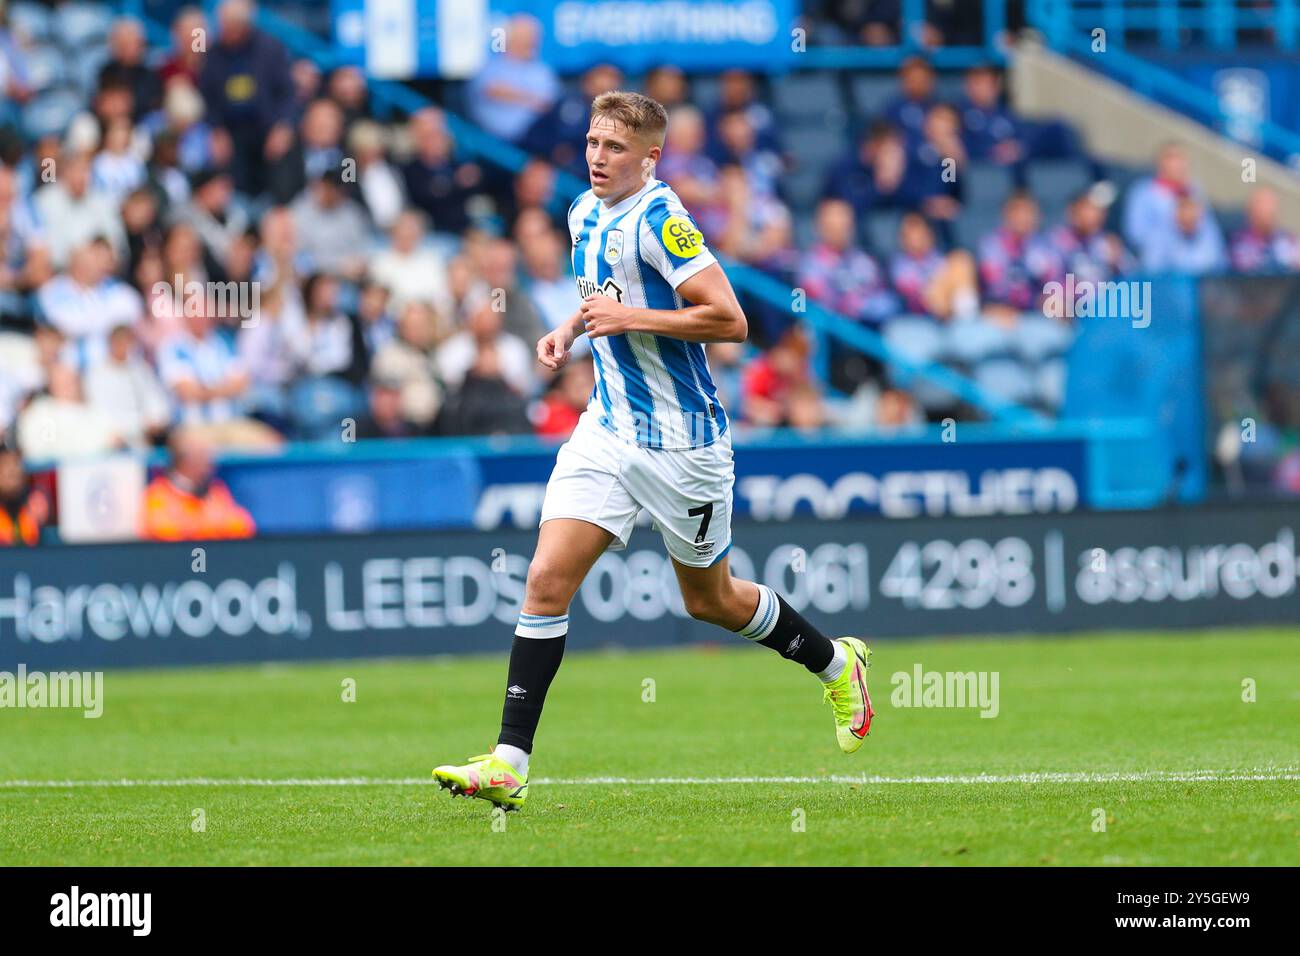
(553, 347)
(601, 315)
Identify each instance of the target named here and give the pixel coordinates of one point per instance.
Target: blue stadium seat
(1054, 181)
(1038, 338)
(978, 340)
(32, 21)
(986, 185)
(1007, 379)
(871, 92)
(1050, 384)
(49, 113)
(800, 96)
(47, 67)
(880, 232)
(79, 25)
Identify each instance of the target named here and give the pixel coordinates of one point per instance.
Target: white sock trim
(542, 625)
(517, 758)
(764, 620)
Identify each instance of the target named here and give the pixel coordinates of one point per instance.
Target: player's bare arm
(714, 314)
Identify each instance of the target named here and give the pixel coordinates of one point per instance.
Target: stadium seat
(880, 232)
(978, 340)
(47, 68)
(921, 340)
(987, 185)
(803, 96)
(1038, 338)
(1006, 378)
(31, 22)
(50, 113)
(79, 25)
(1049, 382)
(871, 92)
(1054, 181)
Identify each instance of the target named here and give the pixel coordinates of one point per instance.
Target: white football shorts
(607, 480)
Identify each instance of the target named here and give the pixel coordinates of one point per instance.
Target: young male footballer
(653, 436)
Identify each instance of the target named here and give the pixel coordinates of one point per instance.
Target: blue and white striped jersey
(653, 390)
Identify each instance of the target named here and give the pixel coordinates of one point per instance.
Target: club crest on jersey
(613, 247)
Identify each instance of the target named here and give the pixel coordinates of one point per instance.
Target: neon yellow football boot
(848, 696)
(488, 777)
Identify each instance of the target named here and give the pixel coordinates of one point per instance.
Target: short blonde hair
(635, 111)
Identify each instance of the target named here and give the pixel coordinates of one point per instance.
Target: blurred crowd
(220, 237)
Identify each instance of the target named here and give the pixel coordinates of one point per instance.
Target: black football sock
(777, 625)
(534, 661)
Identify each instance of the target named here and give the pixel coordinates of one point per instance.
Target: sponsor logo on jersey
(610, 288)
(681, 237)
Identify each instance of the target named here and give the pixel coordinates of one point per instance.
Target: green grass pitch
(1132, 715)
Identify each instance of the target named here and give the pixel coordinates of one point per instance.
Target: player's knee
(704, 606)
(549, 588)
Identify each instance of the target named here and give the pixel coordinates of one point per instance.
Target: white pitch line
(1150, 776)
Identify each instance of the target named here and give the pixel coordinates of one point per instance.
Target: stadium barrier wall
(106, 606)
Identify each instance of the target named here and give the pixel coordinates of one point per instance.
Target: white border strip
(1151, 776)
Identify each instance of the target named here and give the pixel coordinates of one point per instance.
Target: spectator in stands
(1085, 248)
(317, 149)
(189, 43)
(408, 360)
(57, 424)
(209, 384)
(246, 84)
(347, 88)
(383, 418)
(410, 269)
(1016, 260)
(188, 502)
(73, 212)
(306, 85)
(435, 181)
(870, 22)
(217, 221)
(929, 282)
(548, 281)
(116, 169)
(88, 301)
(559, 410)
(689, 171)
(330, 361)
(500, 283)
(515, 87)
(1195, 247)
(24, 257)
(991, 132)
(559, 134)
(24, 510)
(378, 181)
(484, 332)
(378, 326)
(267, 350)
(125, 388)
(126, 48)
(908, 110)
(533, 188)
(280, 259)
(1262, 245)
(737, 143)
(738, 96)
(332, 229)
(770, 380)
(1151, 205)
(668, 85)
(936, 169)
(873, 177)
(841, 276)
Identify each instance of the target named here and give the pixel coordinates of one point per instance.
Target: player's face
(617, 160)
